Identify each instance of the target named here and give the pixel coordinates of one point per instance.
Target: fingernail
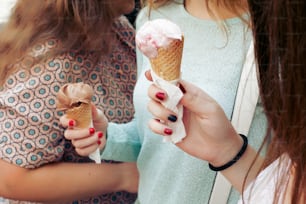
(71, 123)
(160, 95)
(168, 131)
(91, 131)
(100, 134)
(182, 88)
(99, 142)
(172, 118)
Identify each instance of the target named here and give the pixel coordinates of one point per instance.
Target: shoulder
(123, 22)
(263, 188)
(168, 11)
(123, 27)
(124, 31)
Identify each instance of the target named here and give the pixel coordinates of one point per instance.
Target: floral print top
(30, 134)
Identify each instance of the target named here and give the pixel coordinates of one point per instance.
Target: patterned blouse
(30, 134)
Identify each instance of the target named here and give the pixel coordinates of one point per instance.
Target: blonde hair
(75, 24)
(234, 6)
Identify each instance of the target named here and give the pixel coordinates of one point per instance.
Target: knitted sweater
(213, 60)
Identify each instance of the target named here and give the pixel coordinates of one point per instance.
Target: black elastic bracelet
(235, 159)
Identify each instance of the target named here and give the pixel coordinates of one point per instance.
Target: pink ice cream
(162, 42)
(155, 34)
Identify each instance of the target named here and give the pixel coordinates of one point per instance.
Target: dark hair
(75, 24)
(280, 46)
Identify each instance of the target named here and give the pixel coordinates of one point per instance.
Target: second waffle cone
(167, 64)
(81, 114)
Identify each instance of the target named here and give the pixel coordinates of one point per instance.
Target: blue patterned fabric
(30, 134)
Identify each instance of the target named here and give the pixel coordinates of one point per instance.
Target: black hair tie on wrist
(235, 159)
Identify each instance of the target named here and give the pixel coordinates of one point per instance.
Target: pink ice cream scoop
(156, 34)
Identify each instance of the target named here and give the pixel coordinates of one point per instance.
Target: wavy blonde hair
(76, 24)
(234, 6)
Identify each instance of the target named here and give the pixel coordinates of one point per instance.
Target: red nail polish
(100, 134)
(92, 131)
(160, 95)
(99, 142)
(168, 131)
(71, 123)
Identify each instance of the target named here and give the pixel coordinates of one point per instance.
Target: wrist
(230, 154)
(128, 177)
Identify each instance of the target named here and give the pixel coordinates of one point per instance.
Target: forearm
(58, 182)
(236, 174)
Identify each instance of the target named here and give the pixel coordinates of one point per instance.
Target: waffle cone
(81, 114)
(167, 64)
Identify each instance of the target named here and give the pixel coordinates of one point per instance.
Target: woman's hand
(210, 135)
(87, 140)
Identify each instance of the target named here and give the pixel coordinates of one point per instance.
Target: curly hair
(75, 24)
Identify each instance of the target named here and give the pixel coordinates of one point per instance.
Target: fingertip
(158, 127)
(168, 131)
(148, 75)
(71, 123)
(160, 96)
(100, 135)
(64, 121)
(91, 131)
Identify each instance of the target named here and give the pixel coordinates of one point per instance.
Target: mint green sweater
(212, 59)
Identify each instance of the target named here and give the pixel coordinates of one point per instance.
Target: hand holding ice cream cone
(75, 100)
(162, 42)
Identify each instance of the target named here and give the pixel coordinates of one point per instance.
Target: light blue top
(212, 59)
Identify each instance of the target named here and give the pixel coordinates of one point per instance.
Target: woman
(215, 65)
(280, 33)
(44, 45)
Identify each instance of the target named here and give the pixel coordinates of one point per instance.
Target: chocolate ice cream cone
(75, 100)
(81, 113)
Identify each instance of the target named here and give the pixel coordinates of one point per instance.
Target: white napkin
(174, 96)
(95, 156)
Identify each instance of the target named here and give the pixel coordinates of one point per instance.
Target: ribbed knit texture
(212, 59)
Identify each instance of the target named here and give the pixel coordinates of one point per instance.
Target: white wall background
(5, 9)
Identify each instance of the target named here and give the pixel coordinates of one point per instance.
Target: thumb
(99, 117)
(97, 114)
(196, 100)
(148, 75)
(94, 112)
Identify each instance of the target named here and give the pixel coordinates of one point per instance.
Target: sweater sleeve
(123, 143)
